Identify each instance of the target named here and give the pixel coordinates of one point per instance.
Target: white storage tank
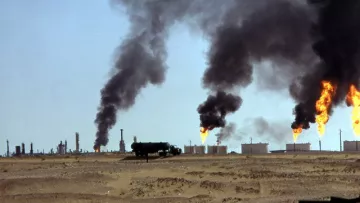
(350, 146)
(255, 148)
(298, 147)
(189, 149)
(199, 149)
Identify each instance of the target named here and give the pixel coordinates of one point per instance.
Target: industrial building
(189, 149)
(304, 147)
(216, 149)
(255, 148)
(350, 146)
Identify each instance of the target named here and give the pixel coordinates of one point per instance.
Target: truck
(163, 148)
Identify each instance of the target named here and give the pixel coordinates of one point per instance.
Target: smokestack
(65, 146)
(23, 148)
(77, 142)
(121, 134)
(7, 148)
(122, 143)
(294, 146)
(31, 149)
(320, 145)
(357, 146)
(135, 139)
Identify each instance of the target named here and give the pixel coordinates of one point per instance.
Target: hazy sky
(56, 56)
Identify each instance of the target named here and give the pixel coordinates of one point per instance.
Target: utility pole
(340, 140)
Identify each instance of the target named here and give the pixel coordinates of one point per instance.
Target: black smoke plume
(272, 30)
(336, 42)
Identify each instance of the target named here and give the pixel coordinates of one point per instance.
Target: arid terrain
(225, 179)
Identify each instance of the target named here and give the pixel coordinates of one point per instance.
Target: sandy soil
(190, 179)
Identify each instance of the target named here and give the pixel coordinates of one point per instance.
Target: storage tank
(200, 149)
(212, 149)
(298, 147)
(255, 148)
(221, 149)
(188, 149)
(350, 146)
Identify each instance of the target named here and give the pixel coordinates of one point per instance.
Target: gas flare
(296, 133)
(97, 149)
(353, 99)
(204, 132)
(323, 105)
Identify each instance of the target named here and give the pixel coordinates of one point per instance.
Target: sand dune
(183, 179)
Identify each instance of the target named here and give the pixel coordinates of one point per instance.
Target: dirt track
(226, 179)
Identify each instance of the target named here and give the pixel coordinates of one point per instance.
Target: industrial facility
(217, 149)
(255, 148)
(351, 146)
(304, 147)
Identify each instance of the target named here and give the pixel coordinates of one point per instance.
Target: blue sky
(56, 56)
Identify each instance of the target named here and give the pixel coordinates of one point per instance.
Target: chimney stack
(135, 139)
(17, 150)
(7, 149)
(31, 149)
(122, 143)
(65, 146)
(23, 148)
(77, 142)
(320, 145)
(294, 147)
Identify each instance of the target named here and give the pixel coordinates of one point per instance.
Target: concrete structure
(216, 149)
(122, 143)
(22, 148)
(7, 148)
(77, 145)
(298, 147)
(31, 149)
(189, 149)
(255, 148)
(351, 146)
(199, 149)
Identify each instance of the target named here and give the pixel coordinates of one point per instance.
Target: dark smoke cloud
(267, 32)
(228, 132)
(336, 42)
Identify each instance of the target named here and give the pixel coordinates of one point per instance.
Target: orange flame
(353, 99)
(323, 105)
(204, 132)
(297, 132)
(97, 150)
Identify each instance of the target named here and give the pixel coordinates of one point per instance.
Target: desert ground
(107, 178)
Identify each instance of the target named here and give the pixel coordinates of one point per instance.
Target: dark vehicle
(333, 199)
(163, 148)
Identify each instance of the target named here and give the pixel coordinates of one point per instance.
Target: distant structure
(298, 147)
(255, 148)
(17, 150)
(199, 149)
(122, 143)
(31, 149)
(189, 149)
(7, 148)
(351, 146)
(22, 148)
(77, 147)
(135, 139)
(61, 148)
(217, 149)
(65, 146)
